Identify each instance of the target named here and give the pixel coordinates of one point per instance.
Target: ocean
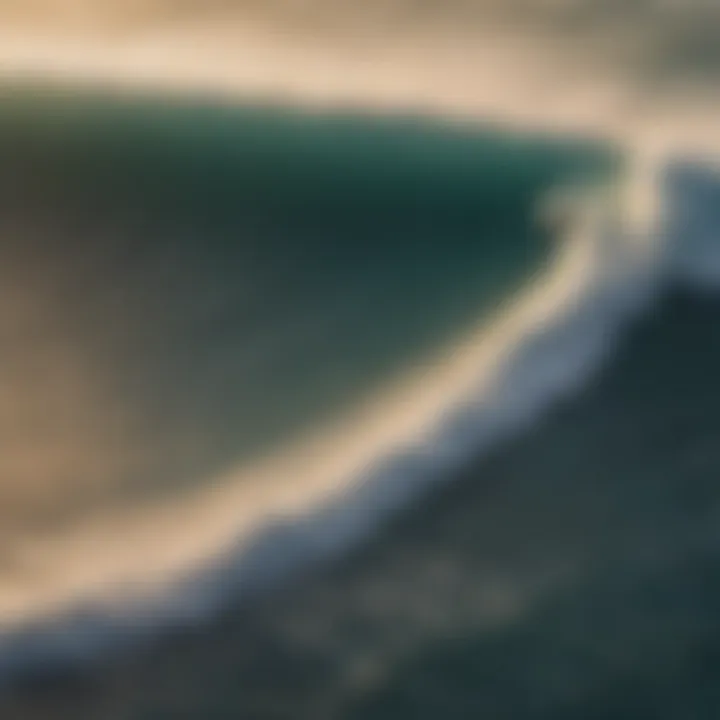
(317, 412)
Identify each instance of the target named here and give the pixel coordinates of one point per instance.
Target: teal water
(230, 277)
(187, 286)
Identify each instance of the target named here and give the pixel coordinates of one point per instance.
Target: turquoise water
(233, 276)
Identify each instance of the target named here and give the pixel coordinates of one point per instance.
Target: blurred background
(358, 361)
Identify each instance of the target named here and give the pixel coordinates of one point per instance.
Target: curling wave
(111, 581)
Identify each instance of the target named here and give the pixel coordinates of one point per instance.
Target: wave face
(219, 317)
(526, 544)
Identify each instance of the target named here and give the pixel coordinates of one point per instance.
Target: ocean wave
(112, 582)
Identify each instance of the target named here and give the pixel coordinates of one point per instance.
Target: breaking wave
(112, 582)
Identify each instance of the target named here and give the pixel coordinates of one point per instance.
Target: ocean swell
(116, 582)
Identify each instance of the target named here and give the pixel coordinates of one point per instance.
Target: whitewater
(110, 579)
